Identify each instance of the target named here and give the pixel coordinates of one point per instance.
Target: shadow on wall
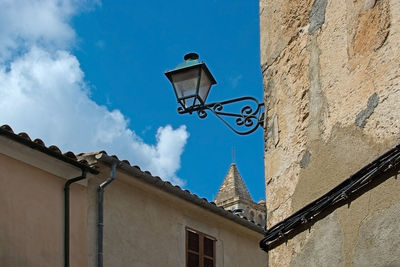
(372, 175)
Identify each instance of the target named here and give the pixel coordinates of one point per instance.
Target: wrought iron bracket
(250, 117)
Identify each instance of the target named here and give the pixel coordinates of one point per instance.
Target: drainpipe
(100, 203)
(67, 213)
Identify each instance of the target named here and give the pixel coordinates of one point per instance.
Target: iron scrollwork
(251, 116)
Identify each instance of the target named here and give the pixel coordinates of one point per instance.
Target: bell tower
(233, 195)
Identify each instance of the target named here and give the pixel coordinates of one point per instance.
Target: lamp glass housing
(191, 81)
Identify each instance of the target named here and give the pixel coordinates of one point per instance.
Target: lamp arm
(250, 117)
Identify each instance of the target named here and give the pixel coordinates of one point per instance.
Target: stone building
(233, 195)
(331, 71)
(51, 214)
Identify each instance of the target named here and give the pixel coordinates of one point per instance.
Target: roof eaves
(177, 191)
(53, 151)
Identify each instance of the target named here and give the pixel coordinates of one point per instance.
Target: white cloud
(24, 23)
(42, 91)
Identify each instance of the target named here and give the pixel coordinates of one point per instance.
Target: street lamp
(192, 81)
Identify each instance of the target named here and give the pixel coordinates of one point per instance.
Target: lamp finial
(191, 56)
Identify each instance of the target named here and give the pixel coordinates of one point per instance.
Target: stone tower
(233, 195)
(331, 72)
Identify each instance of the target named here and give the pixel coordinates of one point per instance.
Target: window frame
(200, 253)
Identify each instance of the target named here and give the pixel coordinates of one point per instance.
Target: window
(200, 249)
(261, 221)
(251, 216)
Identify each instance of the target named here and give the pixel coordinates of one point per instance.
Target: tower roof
(233, 187)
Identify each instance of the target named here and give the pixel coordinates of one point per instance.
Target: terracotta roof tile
(55, 149)
(6, 128)
(25, 136)
(70, 155)
(37, 144)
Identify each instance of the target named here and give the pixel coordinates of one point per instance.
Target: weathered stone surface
(379, 239)
(280, 21)
(275, 130)
(368, 4)
(293, 112)
(305, 160)
(320, 250)
(332, 89)
(362, 117)
(317, 98)
(317, 15)
(332, 163)
(372, 29)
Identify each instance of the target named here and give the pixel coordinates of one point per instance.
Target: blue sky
(102, 64)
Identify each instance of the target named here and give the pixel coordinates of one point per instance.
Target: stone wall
(332, 92)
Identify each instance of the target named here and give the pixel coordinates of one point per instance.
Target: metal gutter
(67, 213)
(100, 214)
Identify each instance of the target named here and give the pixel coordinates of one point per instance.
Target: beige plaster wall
(32, 217)
(331, 73)
(146, 227)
